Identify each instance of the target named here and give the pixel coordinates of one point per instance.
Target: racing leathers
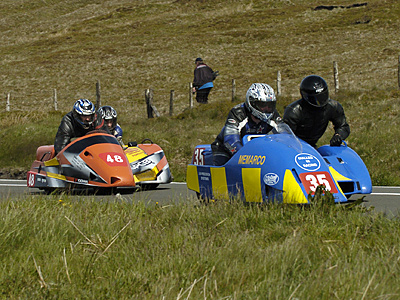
(309, 123)
(117, 132)
(238, 124)
(69, 128)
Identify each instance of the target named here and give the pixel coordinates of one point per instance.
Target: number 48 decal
(313, 179)
(113, 159)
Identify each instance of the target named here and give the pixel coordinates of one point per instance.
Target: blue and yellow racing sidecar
(279, 167)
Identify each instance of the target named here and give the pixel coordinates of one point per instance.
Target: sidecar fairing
(95, 160)
(149, 165)
(278, 168)
(348, 169)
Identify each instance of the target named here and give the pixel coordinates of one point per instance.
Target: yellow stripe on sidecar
(292, 192)
(252, 184)
(56, 176)
(51, 162)
(337, 176)
(219, 185)
(192, 179)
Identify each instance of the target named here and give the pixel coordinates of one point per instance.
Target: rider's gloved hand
(336, 140)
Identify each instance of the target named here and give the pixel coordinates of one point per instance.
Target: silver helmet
(261, 101)
(109, 113)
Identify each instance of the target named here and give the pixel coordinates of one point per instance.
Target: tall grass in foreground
(58, 248)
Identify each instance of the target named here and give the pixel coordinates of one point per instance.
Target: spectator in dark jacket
(78, 122)
(309, 116)
(203, 80)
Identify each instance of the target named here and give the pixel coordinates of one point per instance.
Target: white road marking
(22, 183)
(386, 194)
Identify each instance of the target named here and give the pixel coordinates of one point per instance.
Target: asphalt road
(383, 198)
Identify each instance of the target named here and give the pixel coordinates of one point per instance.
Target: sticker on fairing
(114, 159)
(271, 179)
(31, 179)
(198, 156)
(312, 180)
(307, 162)
(134, 151)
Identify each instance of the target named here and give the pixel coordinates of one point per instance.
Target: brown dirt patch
(13, 173)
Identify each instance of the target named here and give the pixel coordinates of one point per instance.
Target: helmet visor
(111, 123)
(263, 106)
(317, 100)
(87, 119)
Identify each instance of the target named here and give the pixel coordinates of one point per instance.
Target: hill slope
(130, 46)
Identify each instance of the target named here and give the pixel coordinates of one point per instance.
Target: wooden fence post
(190, 95)
(171, 102)
(151, 109)
(398, 75)
(8, 102)
(233, 90)
(148, 103)
(336, 76)
(55, 99)
(98, 100)
(278, 83)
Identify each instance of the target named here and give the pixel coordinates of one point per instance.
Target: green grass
(60, 247)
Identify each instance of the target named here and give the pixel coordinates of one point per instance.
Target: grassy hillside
(130, 46)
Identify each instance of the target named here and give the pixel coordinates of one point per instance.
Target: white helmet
(261, 101)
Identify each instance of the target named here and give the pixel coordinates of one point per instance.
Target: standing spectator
(309, 116)
(203, 80)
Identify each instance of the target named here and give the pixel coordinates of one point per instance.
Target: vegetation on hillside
(129, 46)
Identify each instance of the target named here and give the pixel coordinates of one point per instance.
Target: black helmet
(314, 90)
(109, 113)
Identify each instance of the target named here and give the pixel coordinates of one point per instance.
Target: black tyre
(149, 186)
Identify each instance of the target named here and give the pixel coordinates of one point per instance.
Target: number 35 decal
(198, 157)
(312, 180)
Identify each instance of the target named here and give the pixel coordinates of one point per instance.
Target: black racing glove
(336, 140)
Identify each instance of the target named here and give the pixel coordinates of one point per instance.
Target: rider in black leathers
(77, 123)
(309, 116)
(255, 116)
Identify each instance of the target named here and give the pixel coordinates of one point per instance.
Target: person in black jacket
(203, 80)
(255, 116)
(78, 122)
(309, 116)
